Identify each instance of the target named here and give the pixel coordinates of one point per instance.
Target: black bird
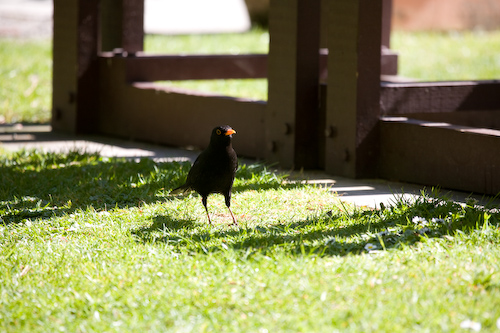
(214, 169)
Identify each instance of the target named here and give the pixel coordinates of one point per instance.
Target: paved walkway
(33, 18)
(364, 192)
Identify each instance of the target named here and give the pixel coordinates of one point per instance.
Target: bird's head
(222, 134)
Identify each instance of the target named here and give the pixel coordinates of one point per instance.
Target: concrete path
(33, 18)
(364, 192)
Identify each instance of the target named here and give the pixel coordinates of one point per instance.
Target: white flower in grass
(419, 220)
(370, 247)
(498, 323)
(473, 325)
(435, 220)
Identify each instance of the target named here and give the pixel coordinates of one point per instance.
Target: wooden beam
(353, 92)
(386, 23)
(436, 97)
(143, 67)
(133, 26)
(194, 67)
(75, 92)
(122, 25)
(440, 154)
(293, 103)
(148, 112)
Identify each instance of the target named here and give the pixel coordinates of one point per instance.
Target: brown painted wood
(122, 25)
(436, 97)
(111, 24)
(75, 93)
(87, 95)
(292, 118)
(149, 112)
(353, 92)
(143, 67)
(440, 154)
(386, 23)
(133, 25)
(194, 67)
(64, 70)
(472, 118)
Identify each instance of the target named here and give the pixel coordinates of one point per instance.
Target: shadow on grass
(40, 185)
(330, 234)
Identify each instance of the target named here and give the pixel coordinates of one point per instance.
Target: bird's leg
(204, 201)
(228, 204)
(232, 215)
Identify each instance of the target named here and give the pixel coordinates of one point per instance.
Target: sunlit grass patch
(443, 56)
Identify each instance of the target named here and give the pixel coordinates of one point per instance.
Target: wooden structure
(326, 108)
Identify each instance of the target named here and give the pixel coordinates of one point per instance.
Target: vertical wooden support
(292, 117)
(353, 95)
(75, 71)
(111, 25)
(386, 23)
(133, 26)
(122, 25)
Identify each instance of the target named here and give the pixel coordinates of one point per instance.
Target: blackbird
(214, 169)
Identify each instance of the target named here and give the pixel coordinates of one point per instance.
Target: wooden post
(75, 71)
(122, 25)
(353, 95)
(292, 117)
(133, 26)
(386, 23)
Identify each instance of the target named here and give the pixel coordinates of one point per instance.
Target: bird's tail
(183, 189)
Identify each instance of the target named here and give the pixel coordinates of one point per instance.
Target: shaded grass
(134, 258)
(36, 183)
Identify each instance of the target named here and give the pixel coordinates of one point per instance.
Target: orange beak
(229, 132)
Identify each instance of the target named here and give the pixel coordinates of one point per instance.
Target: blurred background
(33, 18)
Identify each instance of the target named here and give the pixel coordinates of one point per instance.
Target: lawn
(25, 94)
(92, 244)
(25, 81)
(95, 244)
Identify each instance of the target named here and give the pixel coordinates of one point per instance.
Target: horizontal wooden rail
(436, 97)
(440, 154)
(146, 68)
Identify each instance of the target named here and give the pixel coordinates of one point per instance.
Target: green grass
(25, 67)
(92, 244)
(257, 41)
(26, 80)
(441, 56)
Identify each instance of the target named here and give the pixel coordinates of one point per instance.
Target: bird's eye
(218, 132)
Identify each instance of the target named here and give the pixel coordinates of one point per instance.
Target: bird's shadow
(188, 234)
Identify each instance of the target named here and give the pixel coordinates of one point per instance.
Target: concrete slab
(360, 192)
(26, 18)
(195, 16)
(18, 137)
(33, 18)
